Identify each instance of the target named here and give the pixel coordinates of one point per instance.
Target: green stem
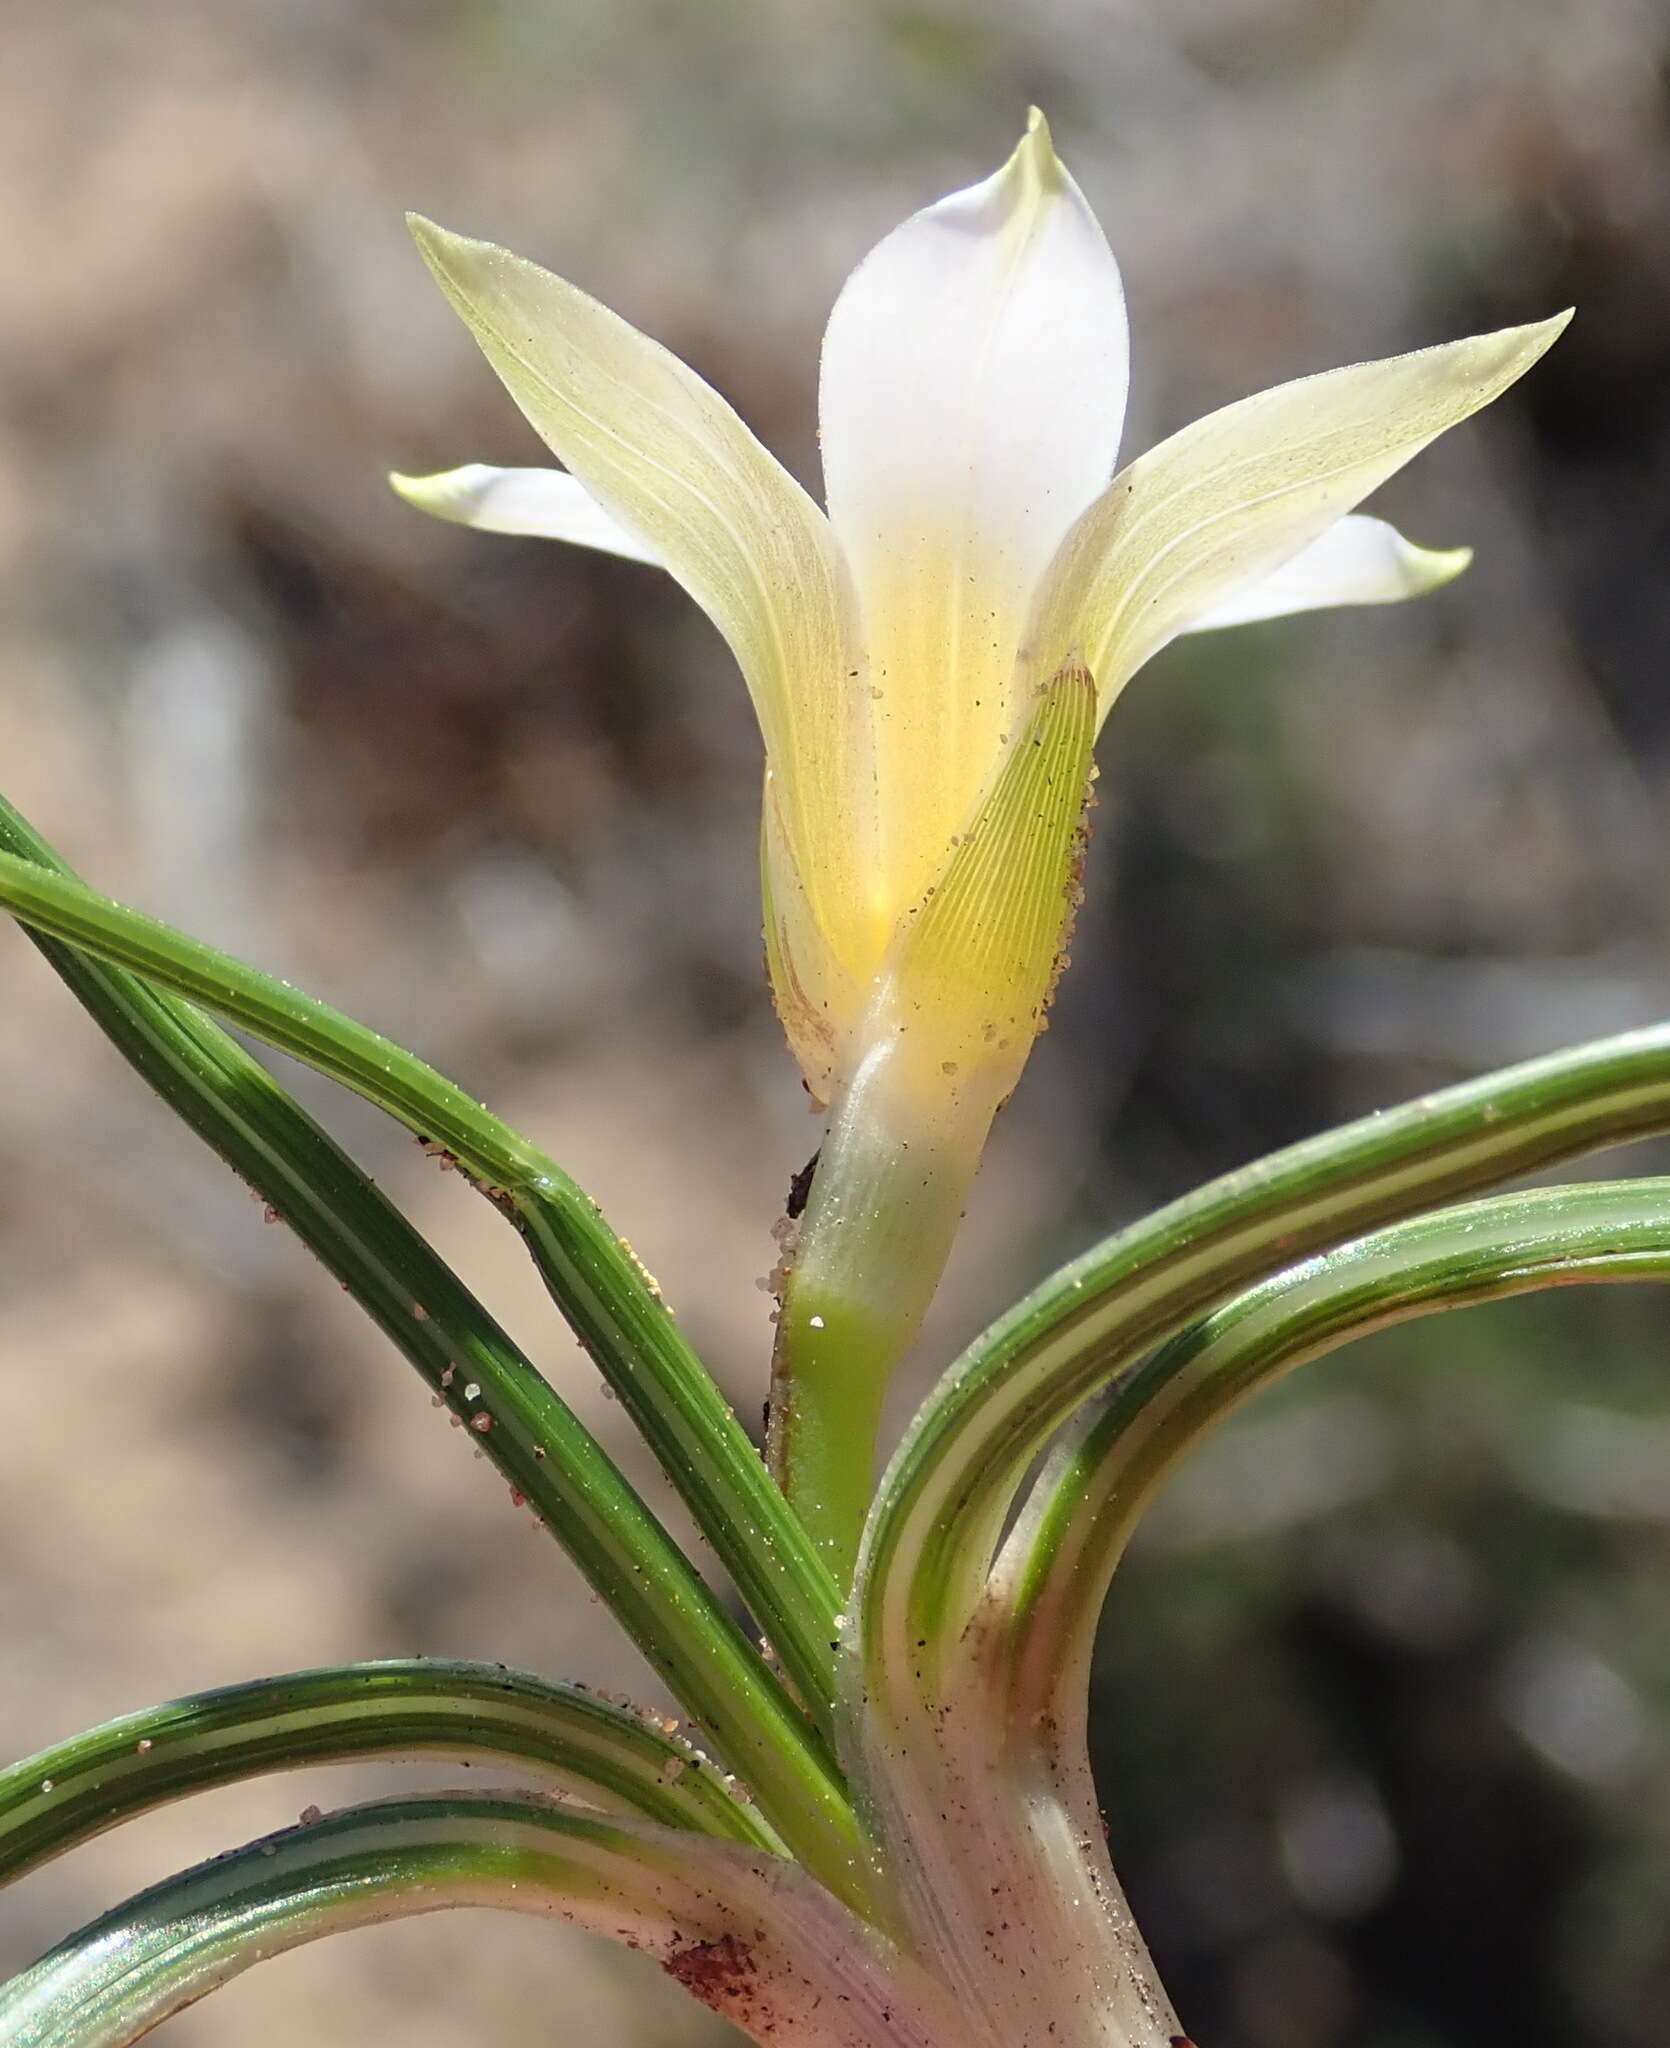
(599, 1285)
(480, 1713)
(829, 1373)
(885, 1203)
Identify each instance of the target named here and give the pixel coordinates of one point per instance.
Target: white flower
(930, 660)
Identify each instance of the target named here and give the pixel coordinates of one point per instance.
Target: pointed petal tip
(432, 240)
(1543, 334)
(531, 504)
(1033, 165)
(1432, 568)
(447, 253)
(1359, 560)
(448, 494)
(1526, 345)
(427, 493)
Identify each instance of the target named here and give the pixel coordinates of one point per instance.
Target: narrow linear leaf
(479, 1713)
(602, 1290)
(749, 1934)
(954, 1478)
(1056, 1573)
(1020, 1673)
(537, 1443)
(976, 1758)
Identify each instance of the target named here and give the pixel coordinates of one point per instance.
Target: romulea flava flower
(930, 661)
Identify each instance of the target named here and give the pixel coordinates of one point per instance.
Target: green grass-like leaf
(404, 1710)
(1062, 1556)
(954, 1478)
(747, 1931)
(599, 1285)
(536, 1441)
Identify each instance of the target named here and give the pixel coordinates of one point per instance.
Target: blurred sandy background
(1385, 1709)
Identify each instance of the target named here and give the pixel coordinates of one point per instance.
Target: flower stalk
(955, 1010)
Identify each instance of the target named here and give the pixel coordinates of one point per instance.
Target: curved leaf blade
(977, 1760)
(599, 1285)
(1055, 1576)
(1019, 1678)
(533, 1438)
(934, 1527)
(748, 1933)
(400, 1710)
